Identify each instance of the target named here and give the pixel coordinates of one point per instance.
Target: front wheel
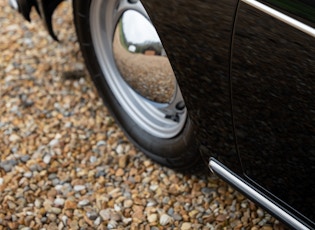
(132, 73)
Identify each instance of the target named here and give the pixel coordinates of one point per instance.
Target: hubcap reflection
(141, 58)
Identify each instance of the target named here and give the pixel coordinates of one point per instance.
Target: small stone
(192, 214)
(93, 159)
(206, 191)
(97, 221)
(25, 158)
(186, 226)
(128, 203)
(60, 226)
(14, 138)
(100, 143)
(152, 218)
(52, 226)
(52, 217)
(170, 212)
(47, 204)
(47, 159)
(92, 215)
(8, 165)
(13, 225)
(70, 204)
(78, 188)
(74, 225)
(83, 202)
(120, 172)
(177, 217)
(154, 187)
(151, 203)
(28, 174)
(11, 205)
(166, 200)
(53, 142)
(244, 205)
(138, 214)
(38, 203)
(122, 161)
(165, 219)
(260, 212)
(115, 216)
(221, 218)
(120, 149)
(127, 221)
(117, 208)
(105, 214)
(64, 220)
(112, 224)
(59, 201)
(55, 210)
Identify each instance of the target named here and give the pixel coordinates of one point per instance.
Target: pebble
(24, 158)
(92, 215)
(78, 188)
(97, 221)
(165, 219)
(47, 159)
(154, 187)
(100, 143)
(14, 138)
(260, 212)
(70, 204)
(186, 226)
(112, 224)
(177, 217)
(105, 214)
(152, 218)
(59, 201)
(128, 203)
(83, 202)
(53, 142)
(8, 165)
(207, 191)
(56, 210)
(64, 220)
(28, 174)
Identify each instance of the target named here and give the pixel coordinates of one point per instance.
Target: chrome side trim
(282, 17)
(239, 183)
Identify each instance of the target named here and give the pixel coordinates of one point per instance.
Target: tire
(168, 140)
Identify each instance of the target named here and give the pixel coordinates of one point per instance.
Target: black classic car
(230, 83)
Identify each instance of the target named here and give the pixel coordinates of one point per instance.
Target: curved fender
(45, 8)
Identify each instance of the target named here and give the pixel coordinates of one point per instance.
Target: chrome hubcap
(136, 67)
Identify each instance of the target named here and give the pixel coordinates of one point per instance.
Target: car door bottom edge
(241, 185)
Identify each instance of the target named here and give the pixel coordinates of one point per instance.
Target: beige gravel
(66, 165)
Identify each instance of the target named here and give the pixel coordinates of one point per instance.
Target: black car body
(246, 72)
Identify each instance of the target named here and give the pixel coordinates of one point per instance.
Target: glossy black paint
(272, 85)
(273, 105)
(197, 37)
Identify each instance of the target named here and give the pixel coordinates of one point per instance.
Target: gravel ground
(66, 165)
